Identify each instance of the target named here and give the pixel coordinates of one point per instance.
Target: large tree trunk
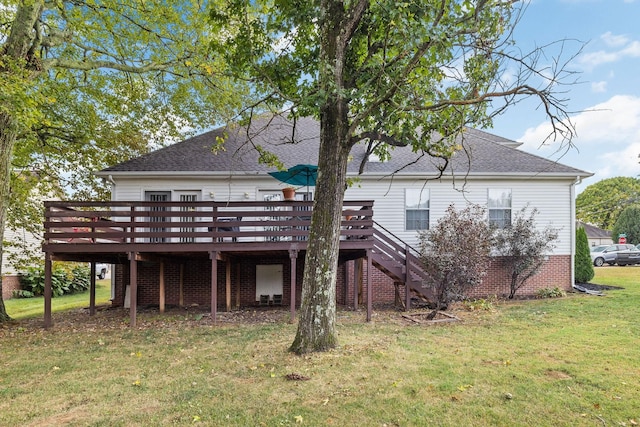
(16, 51)
(316, 326)
(7, 140)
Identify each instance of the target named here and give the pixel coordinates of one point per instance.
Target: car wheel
(598, 262)
(102, 274)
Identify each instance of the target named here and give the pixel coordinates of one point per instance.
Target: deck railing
(175, 223)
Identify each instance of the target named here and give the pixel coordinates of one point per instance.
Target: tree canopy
(628, 223)
(602, 203)
(381, 73)
(85, 84)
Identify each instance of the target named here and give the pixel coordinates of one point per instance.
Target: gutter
(572, 193)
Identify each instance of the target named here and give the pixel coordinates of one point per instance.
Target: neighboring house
(596, 236)
(14, 242)
(403, 196)
(22, 245)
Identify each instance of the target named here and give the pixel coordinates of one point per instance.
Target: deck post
(238, 282)
(181, 297)
(407, 279)
(162, 288)
(369, 285)
(133, 288)
(227, 283)
(92, 290)
(213, 255)
(293, 256)
(48, 322)
(357, 281)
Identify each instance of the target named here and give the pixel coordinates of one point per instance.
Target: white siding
(552, 197)
(32, 242)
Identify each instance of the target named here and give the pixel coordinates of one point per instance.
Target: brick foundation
(196, 288)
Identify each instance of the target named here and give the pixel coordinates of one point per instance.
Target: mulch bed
(596, 287)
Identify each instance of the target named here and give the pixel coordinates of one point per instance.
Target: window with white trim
(499, 205)
(416, 208)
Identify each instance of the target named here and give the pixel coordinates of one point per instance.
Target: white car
(608, 253)
(102, 270)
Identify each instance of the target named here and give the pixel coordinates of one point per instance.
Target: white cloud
(621, 163)
(622, 46)
(599, 87)
(607, 141)
(613, 40)
(613, 120)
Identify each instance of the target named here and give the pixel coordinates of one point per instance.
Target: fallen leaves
(296, 377)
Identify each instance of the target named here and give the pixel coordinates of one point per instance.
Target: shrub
(62, 281)
(21, 293)
(583, 266)
(550, 293)
(455, 254)
(80, 280)
(523, 248)
(479, 304)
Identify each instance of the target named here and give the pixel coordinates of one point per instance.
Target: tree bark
(16, 50)
(7, 141)
(316, 326)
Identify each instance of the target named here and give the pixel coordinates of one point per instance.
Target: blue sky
(605, 102)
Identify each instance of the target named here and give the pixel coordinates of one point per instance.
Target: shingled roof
(483, 154)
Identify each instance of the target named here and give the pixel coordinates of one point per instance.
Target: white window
(416, 207)
(499, 204)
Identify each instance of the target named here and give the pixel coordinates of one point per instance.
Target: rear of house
(408, 193)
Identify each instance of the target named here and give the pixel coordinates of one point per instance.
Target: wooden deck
(126, 232)
(109, 231)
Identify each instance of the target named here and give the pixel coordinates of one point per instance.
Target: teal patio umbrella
(302, 175)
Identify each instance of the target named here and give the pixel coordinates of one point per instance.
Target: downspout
(573, 228)
(113, 271)
(113, 187)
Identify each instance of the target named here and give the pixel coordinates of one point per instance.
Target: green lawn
(21, 308)
(557, 362)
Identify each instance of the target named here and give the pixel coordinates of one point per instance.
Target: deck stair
(398, 260)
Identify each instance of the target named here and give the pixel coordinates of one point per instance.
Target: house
(195, 223)
(16, 242)
(596, 236)
(22, 244)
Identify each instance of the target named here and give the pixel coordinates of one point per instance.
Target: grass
(569, 361)
(22, 308)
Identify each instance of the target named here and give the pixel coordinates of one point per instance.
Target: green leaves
(601, 203)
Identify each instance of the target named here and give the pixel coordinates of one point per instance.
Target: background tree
(601, 203)
(85, 84)
(523, 247)
(628, 223)
(381, 73)
(455, 254)
(583, 266)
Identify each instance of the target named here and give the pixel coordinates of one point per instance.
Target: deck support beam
(48, 321)
(92, 290)
(369, 285)
(227, 283)
(162, 288)
(293, 256)
(357, 281)
(213, 255)
(133, 289)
